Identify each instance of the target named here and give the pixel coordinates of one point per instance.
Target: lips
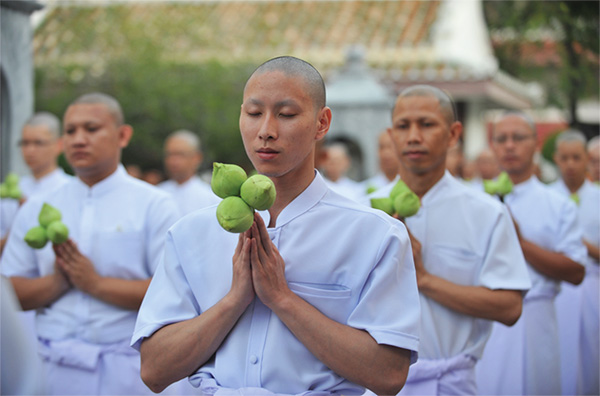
(267, 153)
(414, 154)
(78, 155)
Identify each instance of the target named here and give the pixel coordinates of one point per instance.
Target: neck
(90, 177)
(288, 188)
(574, 185)
(390, 175)
(520, 177)
(41, 173)
(420, 183)
(181, 181)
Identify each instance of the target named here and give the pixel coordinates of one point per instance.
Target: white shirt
(588, 212)
(29, 187)
(120, 224)
(550, 221)
(192, 195)
(352, 263)
(467, 238)
(346, 187)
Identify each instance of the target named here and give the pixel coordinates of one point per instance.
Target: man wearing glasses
(40, 146)
(524, 359)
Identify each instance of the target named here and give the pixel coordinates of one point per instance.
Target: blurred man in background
(41, 146)
(183, 157)
(87, 290)
(388, 164)
(335, 168)
(524, 359)
(578, 307)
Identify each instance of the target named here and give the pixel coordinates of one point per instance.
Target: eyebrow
(281, 103)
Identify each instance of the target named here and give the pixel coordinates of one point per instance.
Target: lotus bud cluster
(402, 201)
(50, 228)
(10, 187)
(241, 196)
(500, 187)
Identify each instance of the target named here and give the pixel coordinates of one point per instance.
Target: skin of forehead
(445, 111)
(113, 116)
(307, 86)
(511, 117)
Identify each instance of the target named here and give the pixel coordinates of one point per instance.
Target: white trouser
(75, 367)
(453, 376)
(209, 387)
(523, 359)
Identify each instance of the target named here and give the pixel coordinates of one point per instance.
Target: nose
(78, 137)
(414, 133)
(268, 128)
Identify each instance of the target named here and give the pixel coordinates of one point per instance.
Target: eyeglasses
(517, 138)
(34, 143)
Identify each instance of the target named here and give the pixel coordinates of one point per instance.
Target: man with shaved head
(578, 306)
(318, 297)
(183, 156)
(470, 269)
(41, 145)
(86, 291)
(524, 359)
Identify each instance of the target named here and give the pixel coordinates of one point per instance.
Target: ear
(59, 145)
(125, 134)
(323, 122)
(456, 129)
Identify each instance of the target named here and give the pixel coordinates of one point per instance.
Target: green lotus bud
(371, 189)
(11, 179)
(258, 192)
(398, 188)
(48, 214)
(57, 232)
(406, 204)
(575, 198)
(504, 184)
(14, 192)
(234, 215)
(227, 179)
(386, 204)
(36, 237)
(490, 187)
(3, 191)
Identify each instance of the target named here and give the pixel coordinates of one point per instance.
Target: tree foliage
(158, 98)
(564, 33)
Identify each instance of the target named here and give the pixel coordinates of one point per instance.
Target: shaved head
(108, 101)
(445, 101)
(294, 67)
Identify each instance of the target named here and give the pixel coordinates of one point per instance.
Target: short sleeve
(504, 266)
(389, 307)
(169, 298)
(569, 240)
(18, 259)
(162, 214)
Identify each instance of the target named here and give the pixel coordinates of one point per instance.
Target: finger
(264, 234)
(260, 249)
(239, 246)
(254, 259)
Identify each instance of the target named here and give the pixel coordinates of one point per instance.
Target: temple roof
(402, 41)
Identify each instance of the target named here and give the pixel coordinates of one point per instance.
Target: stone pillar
(16, 67)
(361, 108)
